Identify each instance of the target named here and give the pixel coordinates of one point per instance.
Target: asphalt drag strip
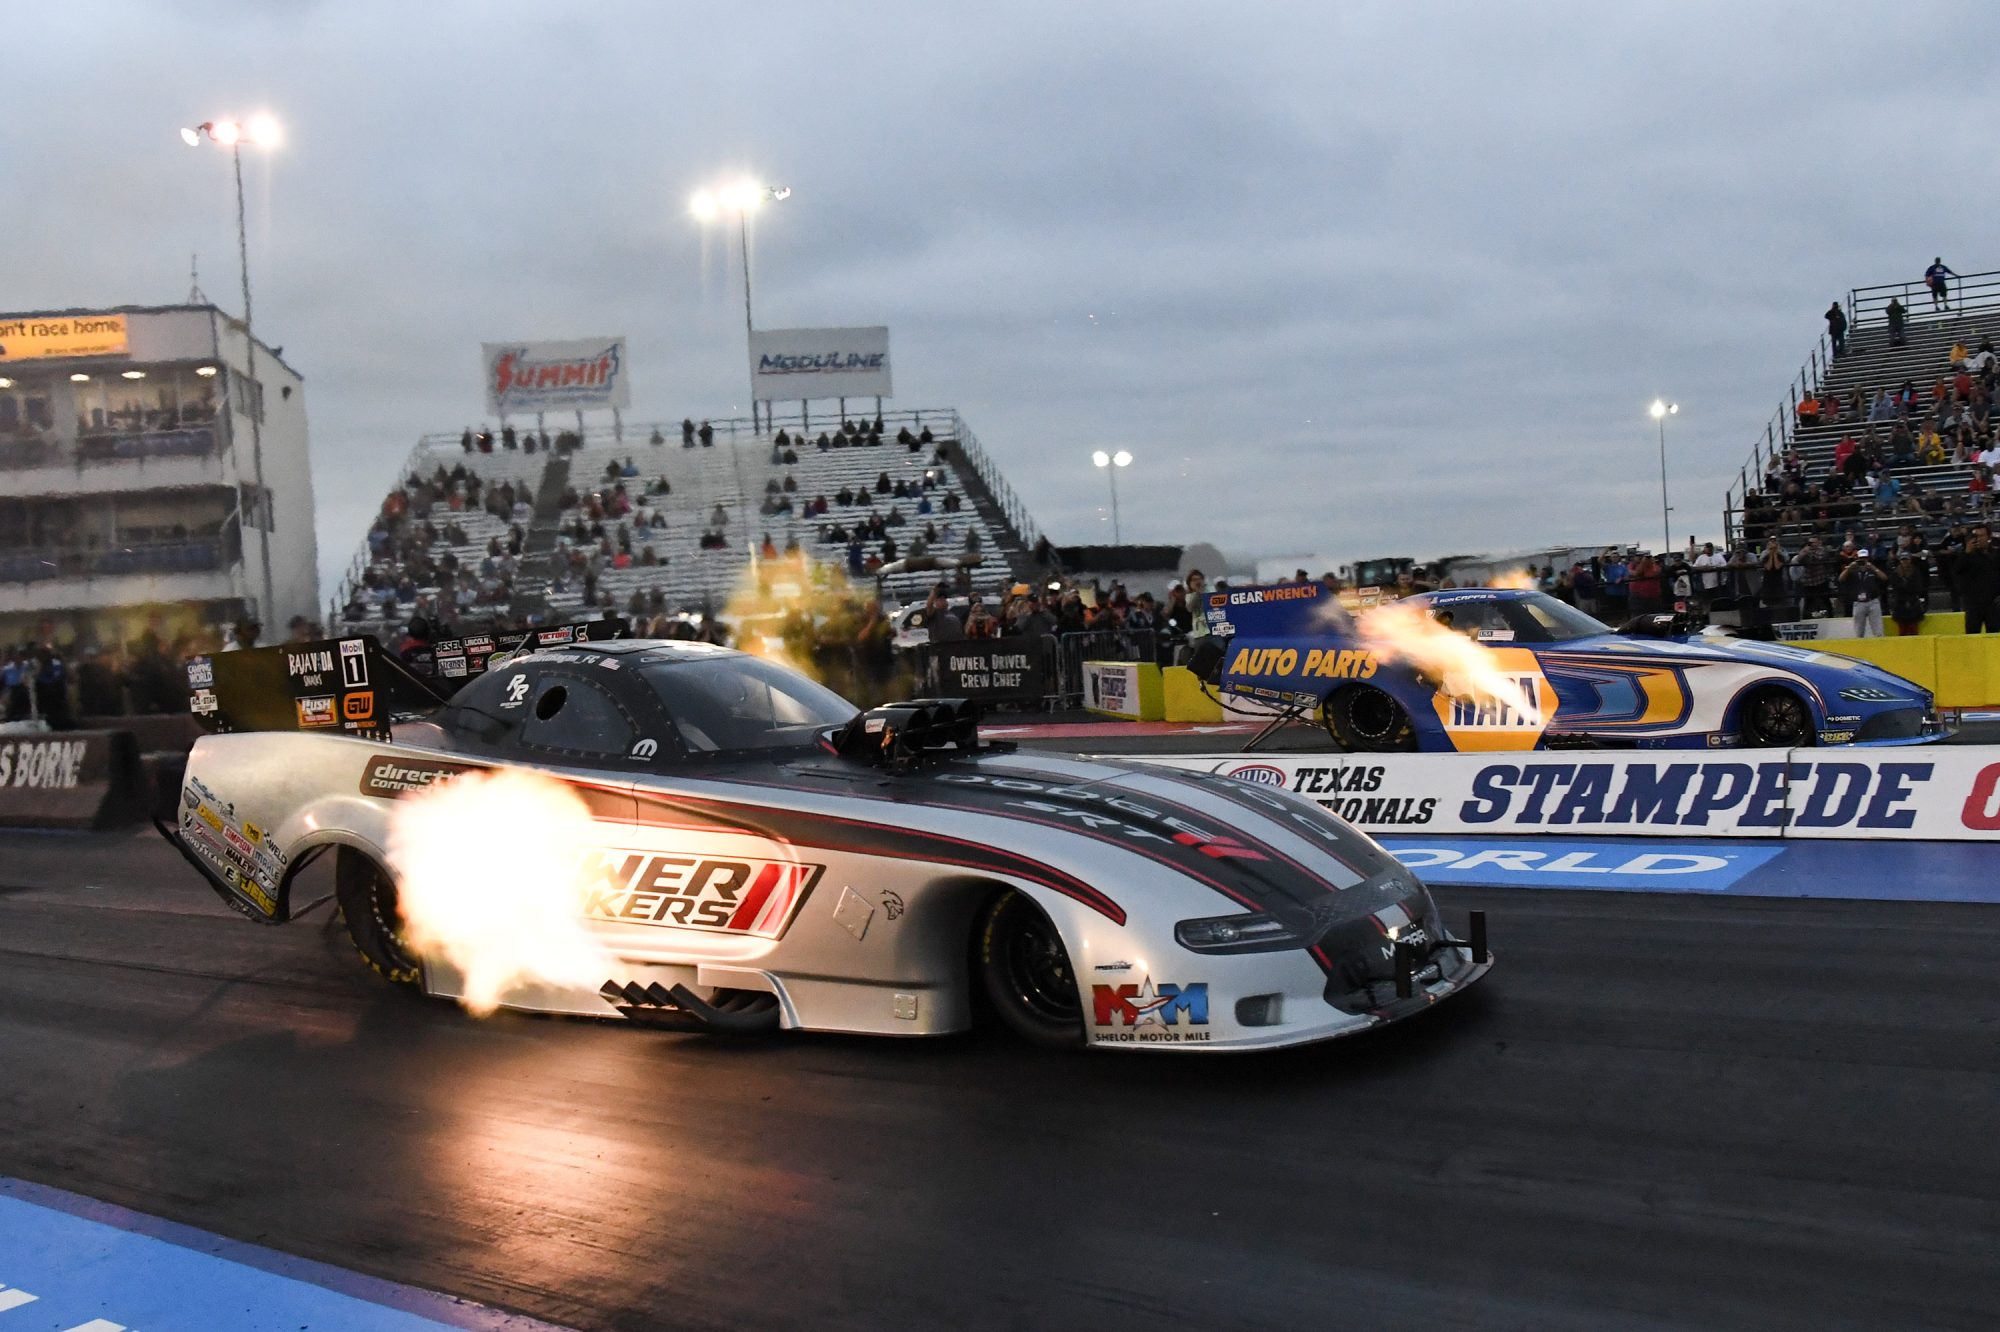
(1661, 1110)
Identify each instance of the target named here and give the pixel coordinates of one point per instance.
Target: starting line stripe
(72, 1264)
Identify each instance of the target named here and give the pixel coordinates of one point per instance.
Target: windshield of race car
(1534, 618)
(729, 704)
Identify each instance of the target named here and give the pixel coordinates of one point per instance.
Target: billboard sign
(44, 337)
(585, 374)
(819, 363)
(1940, 793)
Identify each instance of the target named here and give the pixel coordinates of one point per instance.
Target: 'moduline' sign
(45, 337)
(802, 363)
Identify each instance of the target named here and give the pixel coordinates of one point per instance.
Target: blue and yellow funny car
(1542, 675)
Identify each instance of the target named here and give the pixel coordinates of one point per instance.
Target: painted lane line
(86, 1260)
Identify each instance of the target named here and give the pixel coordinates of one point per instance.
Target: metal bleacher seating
(1870, 364)
(731, 475)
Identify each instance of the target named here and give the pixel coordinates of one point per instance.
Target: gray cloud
(1353, 280)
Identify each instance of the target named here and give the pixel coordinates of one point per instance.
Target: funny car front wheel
(1366, 720)
(374, 919)
(1776, 718)
(1026, 973)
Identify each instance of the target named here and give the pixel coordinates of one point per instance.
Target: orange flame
(1520, 580)
(1400, 631)
(490, 875)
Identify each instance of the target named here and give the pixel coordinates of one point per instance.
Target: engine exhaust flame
(1399, 631)
(490, 873)
(1520, 580)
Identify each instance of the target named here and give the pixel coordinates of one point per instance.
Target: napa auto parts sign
(1918, 792)
(584, 374)
(806, 363)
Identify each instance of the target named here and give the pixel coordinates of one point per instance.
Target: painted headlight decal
(1249, 932)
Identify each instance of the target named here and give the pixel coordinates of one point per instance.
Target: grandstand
(732, 476)
(1868, 365)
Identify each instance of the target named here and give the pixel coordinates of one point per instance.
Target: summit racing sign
(716, 894)
(1937, 792)
(820, 363)
(584, 374)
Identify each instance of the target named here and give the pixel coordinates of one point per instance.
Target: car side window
(568, 713)
(1480, 620)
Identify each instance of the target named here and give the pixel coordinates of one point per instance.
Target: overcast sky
(1348, 279)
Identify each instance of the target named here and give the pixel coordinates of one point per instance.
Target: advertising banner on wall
(991, 670)
(1918, 792)
(68, 779)
(44, 337)
(581, 374)
(801, 363)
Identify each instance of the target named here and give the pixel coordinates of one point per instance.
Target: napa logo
(1510, 716)
(1500, 710)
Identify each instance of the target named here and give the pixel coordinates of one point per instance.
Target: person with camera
(1863, 583)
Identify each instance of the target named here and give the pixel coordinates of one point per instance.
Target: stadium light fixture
(1661, 410)
(6, 383)
(132, 374)
(742, 198)
(262, 130)
(1111, 462)
(205, 371)
(79, 378)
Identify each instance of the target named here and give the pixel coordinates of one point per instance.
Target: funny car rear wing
(344, 686)
(353, 686)
(453, 662)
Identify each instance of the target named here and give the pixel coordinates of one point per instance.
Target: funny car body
(768, 858)
(1575, 681)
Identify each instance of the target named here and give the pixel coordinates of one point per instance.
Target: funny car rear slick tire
(1026, 973)
(1365, 720)
(369, 909)
(1776, 718)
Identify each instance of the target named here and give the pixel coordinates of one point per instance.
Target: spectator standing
(1909, 594)
(1934, 278)
(1815, 569)
(1708, 567)
(1896, 315)
(1863, 584)
(1976, 575)
(1836, 327)
(943, 625)
(1614, 592)
(1197, 595)
(1644, 581)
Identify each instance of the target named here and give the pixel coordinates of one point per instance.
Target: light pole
(1111, 462)
(1661, 410)
(262, 130)
(741, 198)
